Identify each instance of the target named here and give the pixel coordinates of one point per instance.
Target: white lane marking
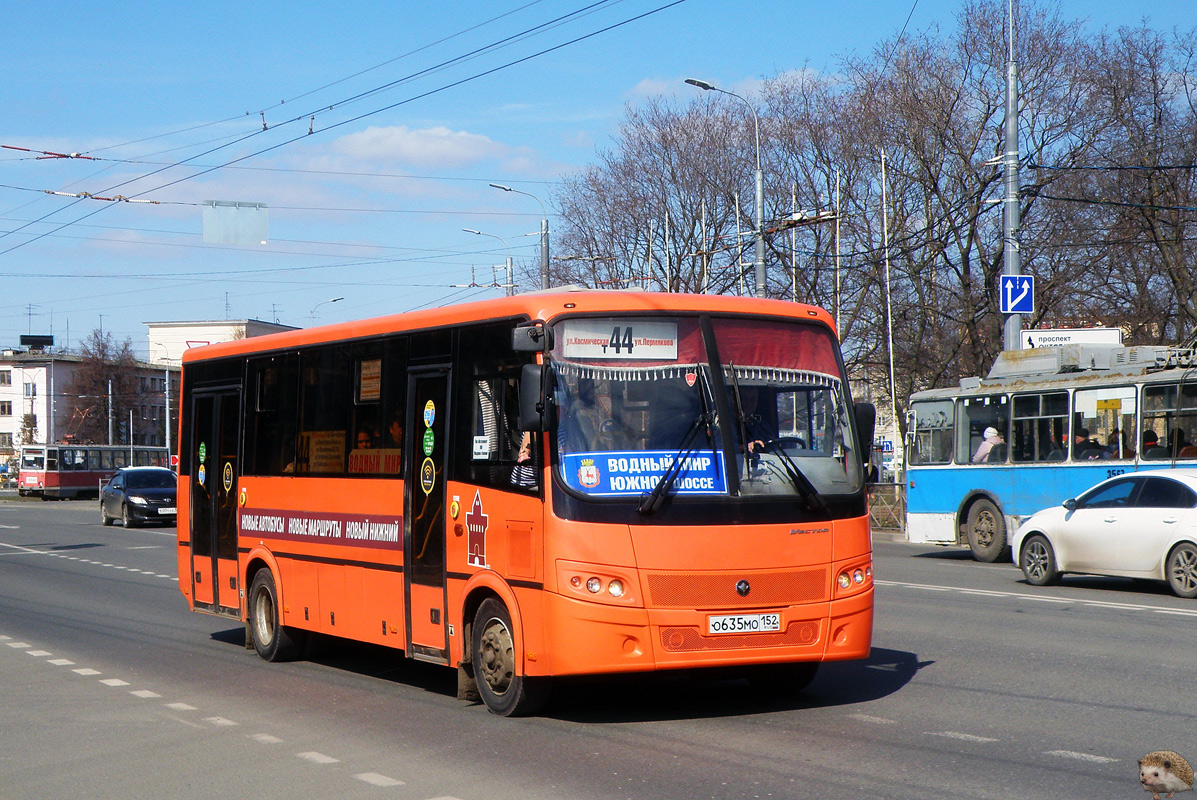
(38, 653)
(374, 779)
(1023, 596)
(11, 527)
(86, 671)
(5, 638)
(61, 662)
(266, 738)
(1080, 756)
(19, 645)
(114, 682)
(874, 720)
(226, 723)
(146, 547)
(964, 737)
(181, 707)
(318, 758)
(146, 693)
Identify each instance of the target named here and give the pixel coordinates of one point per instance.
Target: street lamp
(760, 184)
(324, 302)
(504, 241)
(544, 234)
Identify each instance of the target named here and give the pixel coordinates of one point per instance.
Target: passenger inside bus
(991, 439)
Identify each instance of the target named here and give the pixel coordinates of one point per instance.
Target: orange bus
(552, 484)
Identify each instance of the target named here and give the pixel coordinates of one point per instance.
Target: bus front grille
(678, 639)
(718, 590)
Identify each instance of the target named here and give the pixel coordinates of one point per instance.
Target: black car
(138, 495)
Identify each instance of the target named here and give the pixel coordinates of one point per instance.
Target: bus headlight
(598, 584)
(594, 585)
(853, 579)
(615, 588)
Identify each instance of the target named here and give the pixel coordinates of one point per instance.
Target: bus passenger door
(213, 492)
(424, 520)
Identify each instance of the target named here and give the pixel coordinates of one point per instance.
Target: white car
(1136, 525)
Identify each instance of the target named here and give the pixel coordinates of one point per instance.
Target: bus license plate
(170, 511)
(744, 623)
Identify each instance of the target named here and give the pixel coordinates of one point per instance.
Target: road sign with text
(1017, 294)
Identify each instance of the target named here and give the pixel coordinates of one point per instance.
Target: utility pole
(110, 411)
(1010, 213)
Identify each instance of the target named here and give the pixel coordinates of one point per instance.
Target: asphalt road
(978, 686)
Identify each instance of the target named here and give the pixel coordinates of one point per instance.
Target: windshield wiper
(814, 501)
(650, 502)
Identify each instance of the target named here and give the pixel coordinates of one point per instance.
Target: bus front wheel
(986, 531)
(492, 653)
(272, 641)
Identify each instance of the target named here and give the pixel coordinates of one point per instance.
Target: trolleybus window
(977, 414)
(1040, 427)
(932, 433)
(1109, 416)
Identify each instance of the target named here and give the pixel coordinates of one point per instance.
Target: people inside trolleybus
(991, 438)
(1084, 448)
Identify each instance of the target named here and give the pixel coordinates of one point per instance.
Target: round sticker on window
(429, 442)
(203, 452)
(427, 476)
(429, 413)
(202, 475)
(228, 475)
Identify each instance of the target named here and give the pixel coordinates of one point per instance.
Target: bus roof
(1072, 366)
(541, 305)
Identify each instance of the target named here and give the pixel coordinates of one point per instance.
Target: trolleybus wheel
(1038, 562)
(1182, 570)
(986, 530)
(492, 652)
(272, 641)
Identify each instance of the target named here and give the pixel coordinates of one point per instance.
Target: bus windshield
(635, 396)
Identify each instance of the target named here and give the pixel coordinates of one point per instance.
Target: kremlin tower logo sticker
(476, 521)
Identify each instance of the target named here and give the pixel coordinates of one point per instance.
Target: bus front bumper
(595, 638)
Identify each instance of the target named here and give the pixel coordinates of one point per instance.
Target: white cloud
(436, 147)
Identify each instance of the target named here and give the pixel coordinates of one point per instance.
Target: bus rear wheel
(986, 531)
(272, 641)
(492, 654)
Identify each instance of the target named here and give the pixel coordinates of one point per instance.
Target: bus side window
(488, 445)
(974, 416)
(270, 423)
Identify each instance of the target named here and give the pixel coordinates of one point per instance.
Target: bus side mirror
(528, 339)
(533, 410)
(866, 423)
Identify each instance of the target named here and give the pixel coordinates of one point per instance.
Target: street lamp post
(544, 234)
(324, 302)
(760, 184)
(510, 284)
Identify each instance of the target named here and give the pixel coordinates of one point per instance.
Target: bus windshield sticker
(476, 522)
(429, 442)
(203, 452)
(427, 476)
(202, 475)
(429, 413)
(228, 475)
(624, 340)
(632, 473)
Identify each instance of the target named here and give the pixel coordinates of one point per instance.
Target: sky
(370, 131)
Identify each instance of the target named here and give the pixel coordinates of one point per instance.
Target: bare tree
(105, 366)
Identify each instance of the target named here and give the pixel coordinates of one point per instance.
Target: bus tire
(1182, 570)
(986, 531)
(272, 641)
(492, 653)
(1038, 562)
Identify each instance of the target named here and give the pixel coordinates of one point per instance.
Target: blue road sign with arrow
(1017, 294)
